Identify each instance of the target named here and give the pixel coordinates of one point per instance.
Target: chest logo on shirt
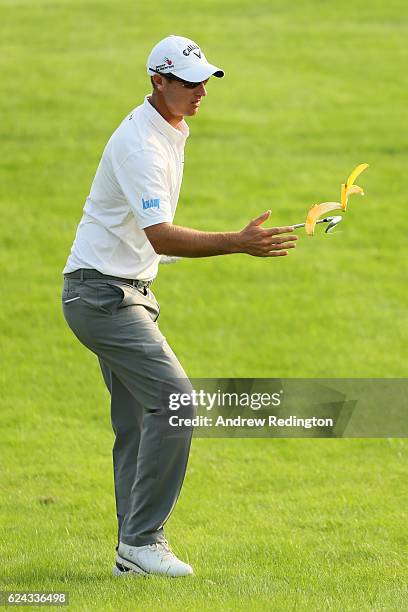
(153, 203)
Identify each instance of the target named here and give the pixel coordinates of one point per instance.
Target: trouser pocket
(70, 292)
(110, 297)
(131, 296)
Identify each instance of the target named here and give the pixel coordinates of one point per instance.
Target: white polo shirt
(137, 184)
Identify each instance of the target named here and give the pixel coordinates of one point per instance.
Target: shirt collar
(173, 134)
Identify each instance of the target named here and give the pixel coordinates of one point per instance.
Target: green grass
(311, 89)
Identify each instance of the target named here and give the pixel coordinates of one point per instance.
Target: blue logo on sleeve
(153, 203)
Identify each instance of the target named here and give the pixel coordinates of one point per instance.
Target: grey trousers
(118, 322)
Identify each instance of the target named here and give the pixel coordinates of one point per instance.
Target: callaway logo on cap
(183, 58)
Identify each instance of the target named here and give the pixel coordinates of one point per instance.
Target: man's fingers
(278, 249)
(279, 242)
(282, 247)
(271, 231)
(262, 218)
(276, 254)
(280, 239)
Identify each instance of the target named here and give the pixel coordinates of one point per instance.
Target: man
(127, 225)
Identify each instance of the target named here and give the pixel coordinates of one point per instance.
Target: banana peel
(316, 211)
(348, 188)
(356, 172)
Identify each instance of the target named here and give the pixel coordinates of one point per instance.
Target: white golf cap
(183, 58)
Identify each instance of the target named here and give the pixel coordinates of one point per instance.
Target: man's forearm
(186, 242)
(168, 239)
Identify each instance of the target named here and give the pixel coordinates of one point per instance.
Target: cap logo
(191, 48)
(167, 63)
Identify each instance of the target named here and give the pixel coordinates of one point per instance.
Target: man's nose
(202, 90)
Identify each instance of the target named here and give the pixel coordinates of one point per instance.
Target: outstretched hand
(266, 242)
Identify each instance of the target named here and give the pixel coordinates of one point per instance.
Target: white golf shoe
(155, 558)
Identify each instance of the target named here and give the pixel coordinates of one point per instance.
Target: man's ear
(158, 81)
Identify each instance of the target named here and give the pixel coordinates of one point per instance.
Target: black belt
(85, 273)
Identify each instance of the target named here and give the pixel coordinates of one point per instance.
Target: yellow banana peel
(349, 188)
(356, 172)
(353, 189)
(316, 211)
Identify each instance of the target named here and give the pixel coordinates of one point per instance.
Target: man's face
(180, 100)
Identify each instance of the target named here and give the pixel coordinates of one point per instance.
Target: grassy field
(311, 89)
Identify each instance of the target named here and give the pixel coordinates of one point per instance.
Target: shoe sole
(129, 567)
(118, 573)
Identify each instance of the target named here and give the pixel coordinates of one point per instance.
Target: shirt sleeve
(143, 179)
